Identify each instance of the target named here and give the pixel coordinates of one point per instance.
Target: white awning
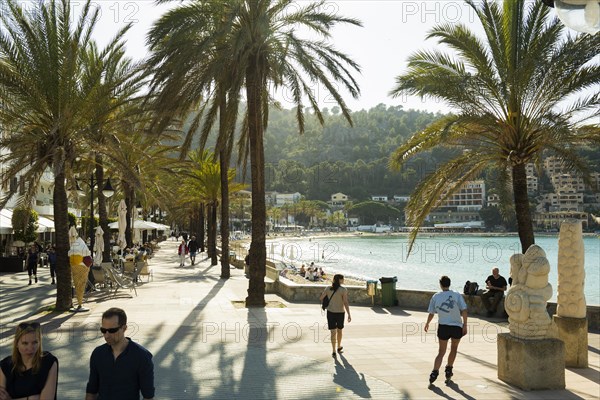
(44, 224)
(142, 225)
(6, 222)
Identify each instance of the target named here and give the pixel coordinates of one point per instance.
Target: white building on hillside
(338, 200)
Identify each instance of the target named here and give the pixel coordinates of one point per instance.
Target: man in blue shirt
(119, 369)
(450, 307)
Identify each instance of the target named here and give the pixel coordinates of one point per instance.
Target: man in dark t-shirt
(120, 369)
(496, 286)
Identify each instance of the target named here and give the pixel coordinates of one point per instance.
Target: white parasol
(98, 246)
(136, 232)
(121, 241)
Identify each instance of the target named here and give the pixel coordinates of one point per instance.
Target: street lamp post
(107, 191)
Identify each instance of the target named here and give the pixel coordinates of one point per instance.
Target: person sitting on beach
(309, 274)
(302, 270)
(316, 275)
(29, 372)
(321, 273)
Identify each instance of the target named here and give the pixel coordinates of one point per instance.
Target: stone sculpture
(526, 300)
(571, 310)
(571, 272)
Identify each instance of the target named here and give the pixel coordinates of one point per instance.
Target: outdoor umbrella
(121, 241)
(98, 246)
(136, 232)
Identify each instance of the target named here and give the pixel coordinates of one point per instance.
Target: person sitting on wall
(496, 286)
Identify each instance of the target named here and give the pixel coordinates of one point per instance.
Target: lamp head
(108, 190)
(579, 15)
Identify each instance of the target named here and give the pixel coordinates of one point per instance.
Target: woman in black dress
(29, 373)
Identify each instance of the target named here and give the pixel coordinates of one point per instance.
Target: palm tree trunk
(102, 214)
(212, 237)
(209, 247)
(523, 214)
(258, 253)
(61, 221)
(202, 223)
(129, 202)
(225, 269)
(224, 171)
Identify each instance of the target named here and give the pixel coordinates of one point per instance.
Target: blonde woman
(29, 373)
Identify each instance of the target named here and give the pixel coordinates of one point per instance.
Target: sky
(392, 30)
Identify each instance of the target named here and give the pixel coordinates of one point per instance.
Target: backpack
(471, 288)
(326, 300)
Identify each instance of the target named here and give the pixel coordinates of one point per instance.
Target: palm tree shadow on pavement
(347, 377)
(257, 377)
(185, 384)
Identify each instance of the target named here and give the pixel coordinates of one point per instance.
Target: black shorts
(445, 332)
(335, 320)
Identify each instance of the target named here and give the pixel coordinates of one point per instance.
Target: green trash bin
(388, 291)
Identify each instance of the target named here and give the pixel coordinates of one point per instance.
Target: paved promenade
(206, 346)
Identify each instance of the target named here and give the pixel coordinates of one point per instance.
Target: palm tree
(45, 109)
(142, 160)
(257, 43)
(188, 55)
(112, 72)
(266, 44)
(201, 182)
(508, 90)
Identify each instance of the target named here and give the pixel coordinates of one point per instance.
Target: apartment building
(493, 200)
(471, 196)
(280, 199)
(552, 220)
(463, 205)
(567, 181)
(553, 166)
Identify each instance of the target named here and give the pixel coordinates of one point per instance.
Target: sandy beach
(241, 247)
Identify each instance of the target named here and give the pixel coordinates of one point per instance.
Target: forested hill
(375, 133)
(338, 157)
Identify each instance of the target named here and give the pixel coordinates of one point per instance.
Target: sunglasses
(26, 325)
(110, 330)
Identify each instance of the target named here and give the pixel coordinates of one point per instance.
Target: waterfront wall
(410, 299)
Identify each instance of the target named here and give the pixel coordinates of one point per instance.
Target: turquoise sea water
(462, 258)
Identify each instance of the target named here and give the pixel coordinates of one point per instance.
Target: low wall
(410, 299)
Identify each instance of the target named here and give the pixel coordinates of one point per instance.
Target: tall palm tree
(44, 107)
(109, 71)
(188, 47)
(508, 89)
(270, 53)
